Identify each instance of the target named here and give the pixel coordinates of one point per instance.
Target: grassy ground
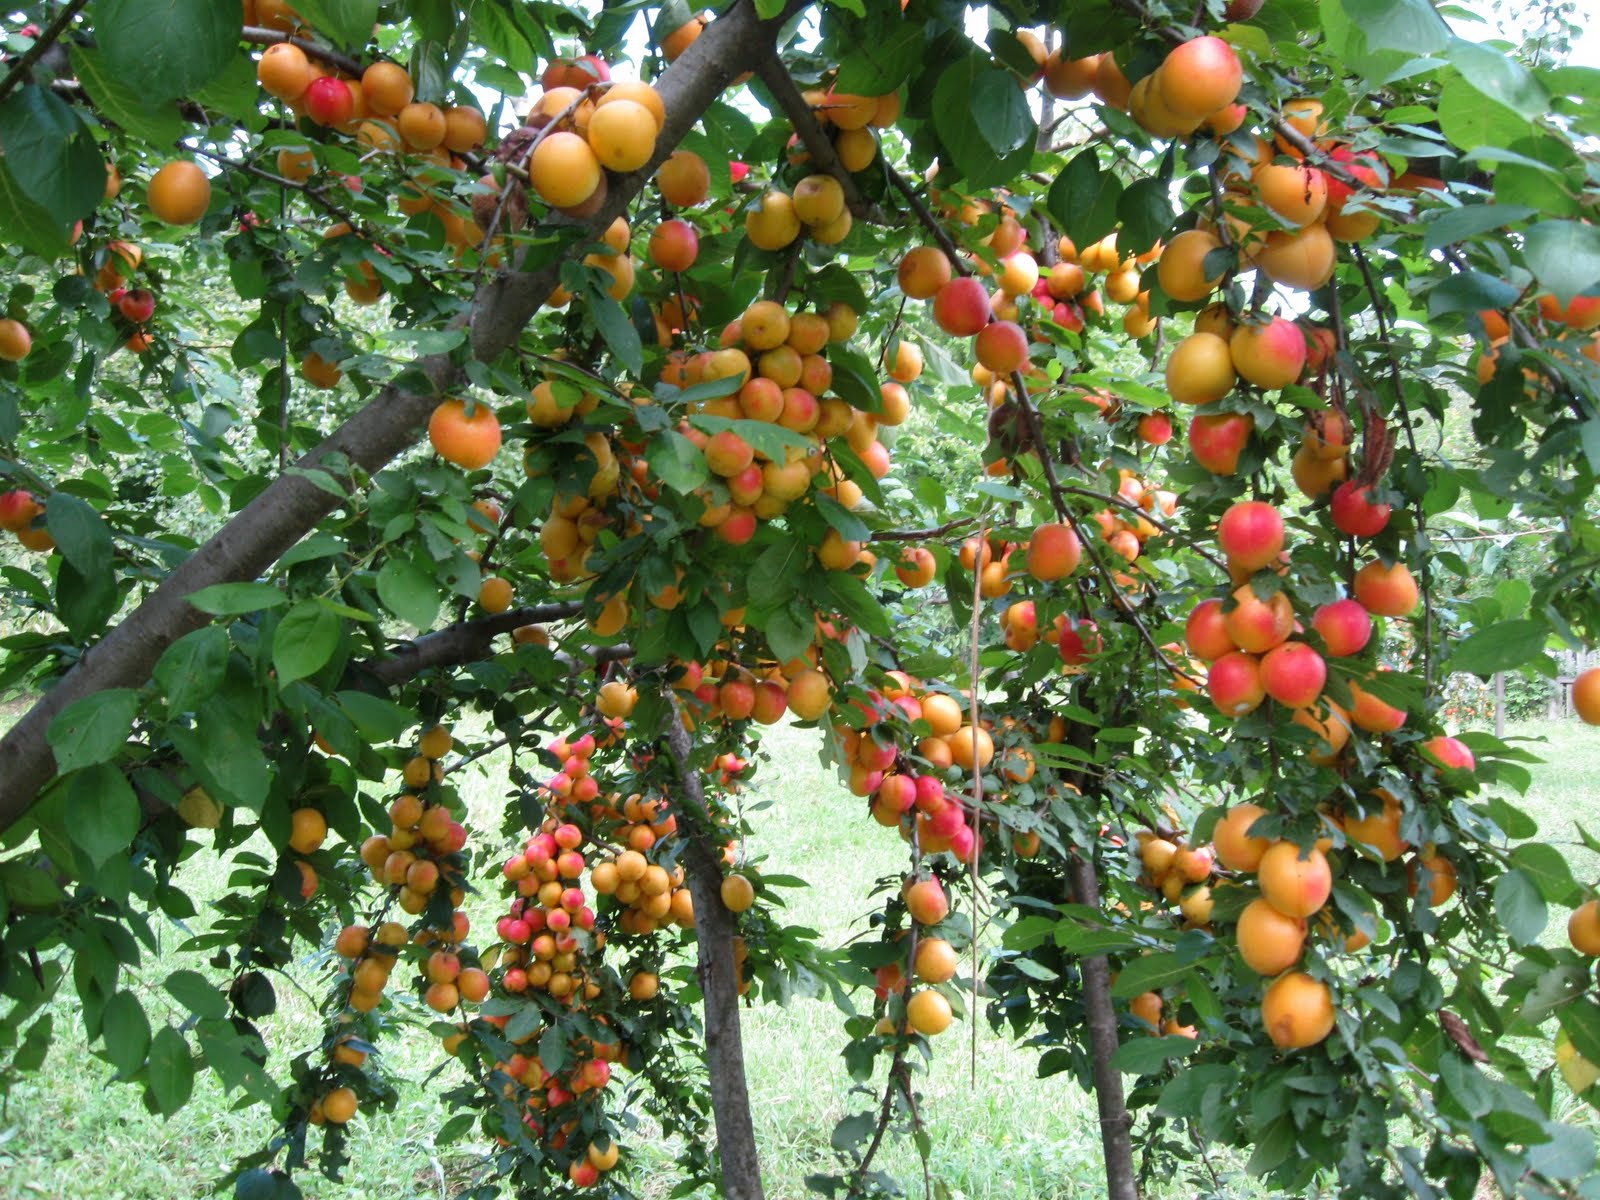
(1005, 1135)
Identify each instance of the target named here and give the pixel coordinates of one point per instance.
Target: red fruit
(137, 306)
(1293, 674)
(961, 307)
(17, 510)
(1068, 316)
(1155, 429)
(1448, 752)
(1206, 632)
(1345, 626)
(674, 245)
(737, 171)
(1251, 534)
(1362, 166)
(1001, 346)
(1079, 642)
(1234, 684)
(328, 101)
(1356, 512)
(1217, 439)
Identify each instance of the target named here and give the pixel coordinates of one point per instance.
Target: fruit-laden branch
(470, 641)
(718, 973)
(257, 36)
(776, 76)
(923, 535)
(293, 504)
(47, 38)
(958, 262)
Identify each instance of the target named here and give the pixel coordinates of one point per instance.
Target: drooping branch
(47, 38)
(930, 223)
(293, 504)
(776, 76)
(719, 976)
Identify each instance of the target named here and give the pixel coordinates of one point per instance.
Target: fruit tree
(1077, 416)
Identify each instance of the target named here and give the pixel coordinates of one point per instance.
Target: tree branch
(467, 642)
(293, 504)
(929, 222)
(255, 35)
(47, 38)
(776, 76)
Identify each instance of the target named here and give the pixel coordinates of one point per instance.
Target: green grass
(1003, 1133)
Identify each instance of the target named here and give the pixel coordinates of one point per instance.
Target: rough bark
(719, 983)
(292, 505)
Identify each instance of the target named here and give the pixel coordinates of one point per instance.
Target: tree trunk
(1116, 1139)
(719, 982)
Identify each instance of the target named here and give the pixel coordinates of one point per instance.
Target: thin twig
(255, 35)
(929, 222)
(50, 35)
(922, 535)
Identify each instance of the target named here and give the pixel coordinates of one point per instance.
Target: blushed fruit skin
(1296, 883)
(1297, 1011)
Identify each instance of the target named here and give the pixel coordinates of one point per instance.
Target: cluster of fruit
(816, 207)
(933, 962)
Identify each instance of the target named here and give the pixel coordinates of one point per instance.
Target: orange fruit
(387, 88)
(179, 193)
(1297, 1011)
(470, 442)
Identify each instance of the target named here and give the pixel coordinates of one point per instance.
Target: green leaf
(232, 599)
(409, 592)
(1548, 870)
(1500, 647)
(192, 668)
(1458, 224)
(620, 334)
(883, 60)
(1564, 256)
(126, 1031)
(1520, 907)
(985, 147)
(1409, 25)
(160, 126)
(1467, 121)
(1145, 212)
(197, 994)
(92, 730)
(1083, 199)
(1500, 78)
(24, 223)
(51, 154)
(83, 537)
(170, 1073)
(676, 461)
(29, 886)
(378, 720)
(347, 22)
(1149, 972)
(163, 49)
(227, 758)
(105, 813)
(1470, 291)
(304, 641)
(1147, 1055)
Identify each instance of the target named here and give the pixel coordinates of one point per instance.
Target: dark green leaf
(304, 641)
(1409, 25)
(162, 49)
(1470, 291)
(227, 758)
(105, 812)
(1520, 907)
(84, 540)
(1083, 199)
(197, 994)
(160, 125)
(676, 461)
(1468, 121)
(1500, 78)
(1149, 972)
(93, 729)
(1500, 647)
(975, 144)
(379, 720)
(1458, 224)
(51, 154)
(1548, 869)
(26, 224)
(348, 22)
(126, 1031)
(192, 668)
(409, 592)
(231, 599)
(1145, 212)
(1147, 1055)
(618, 331)
(170, 1074)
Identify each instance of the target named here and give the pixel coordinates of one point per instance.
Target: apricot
(564, 170)
(1386, 591)
(387, 88)
(1235, 848)
(470, 442)
(1199, 77)
(1200, 370)
(1303, 259)
(284, 71)
(1181, 270)
(1234, 684)
(1296, 195)
(1070, 78)
(179, 193)
(773, 223)
(622, 135)
(1269, 942)
(1296, 883)
(1251, 534)
(1297, 1011)
(961, 307)
(1217, 439)
(1270, 355)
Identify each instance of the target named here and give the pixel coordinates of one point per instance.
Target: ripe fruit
(421, 126)
(329, 101)
(1372, 714)
(1386, 591)
(1217, 439)
(1200, 370)
(961, 307)
(773, 223)
(1181, 269)
(818, 200)
(923, 271)
(284, 71)
(1293, 674)
(387, 88)
(1583, 928)
(1235, 848)
(928, 1013)
(138, 306)
(936, 961)
(464, 129)
(1234, 684)
(1054, 552)
(810, 694)
(1303, 259)
(1258, 625)
(1199, 77)
(1380, 830)
(674, 245)
(1296, 884)
(470, 442)
(1297, 1011)
(926, 902)
(1002, 347)
(684, 179)
(1295, 194)
(1344, 626)
(495, 594)
(623, 135)
(308, 828)
(1251, 534)
(339, 1105)
(1449, 753)
(738, 894)
(179, 193)
(1271, 355)
(1585, 693)
(1269, 942)
(1205, 633)
(564, 170)
(1355, 511)
(15, 340)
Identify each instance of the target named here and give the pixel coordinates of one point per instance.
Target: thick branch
(714, 928)
(776, 76)
(292, 505)
(47, 38)
(467, 642)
